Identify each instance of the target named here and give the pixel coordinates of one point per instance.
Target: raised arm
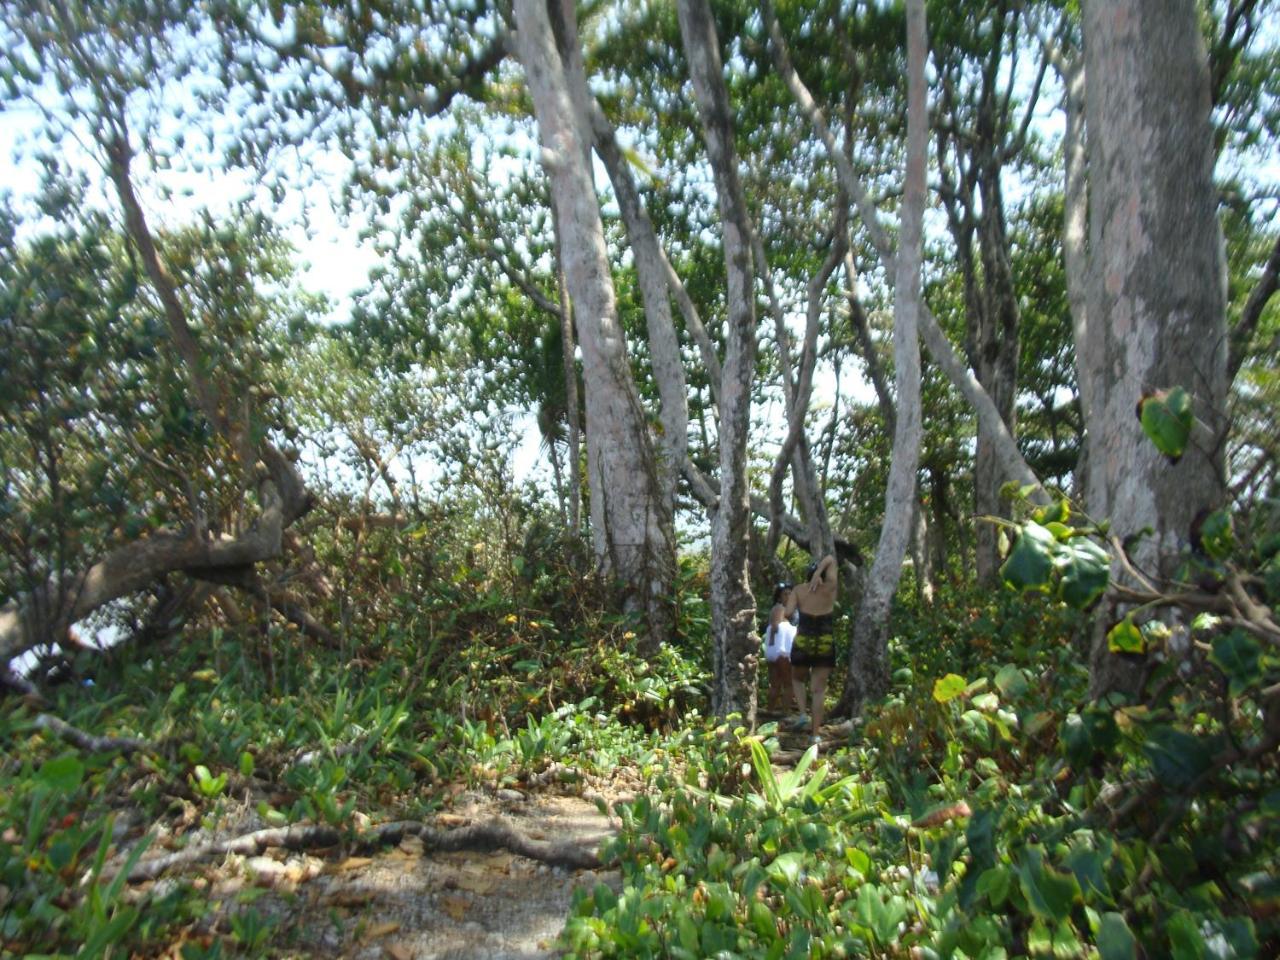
(826, 565)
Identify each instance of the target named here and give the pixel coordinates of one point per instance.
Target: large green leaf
(785, 869)
(61, 774)
(1086, 572)
(1115, 940)
(1178, 758)
(1011, 681)
(1030, 562)
(1238, 656)
(1166, 419)
(1050, 894)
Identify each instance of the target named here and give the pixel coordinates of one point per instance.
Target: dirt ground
(409, 903)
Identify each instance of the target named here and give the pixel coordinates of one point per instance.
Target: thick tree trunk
(996, 368)
(664, 344)
(868, 656)
(569, 349)
(1075, 250)
(732, 604)
(633, 540)
(1156, 310)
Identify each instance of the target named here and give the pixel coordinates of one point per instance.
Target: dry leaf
(352, 863)
(348, 898)
(380, 930)
(412, 845)
(500, 861)
(476, 880)
(455, 907)
(450, 820)
(942, 815)
(398, 951)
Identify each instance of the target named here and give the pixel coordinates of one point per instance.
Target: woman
(778, 636)
(813, 652)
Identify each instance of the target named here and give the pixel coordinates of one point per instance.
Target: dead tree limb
(87, 741)
(489, 835)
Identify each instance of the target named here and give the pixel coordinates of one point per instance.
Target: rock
(511, 796)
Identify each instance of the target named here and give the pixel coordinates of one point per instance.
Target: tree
(868, 657)
(631, 526)
(106, 67)
(1156, 295)
(735, 646)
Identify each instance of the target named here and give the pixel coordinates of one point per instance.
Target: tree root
(490, 835)
(89, 742)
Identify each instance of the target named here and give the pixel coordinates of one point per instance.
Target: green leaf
(1057, 512)
(1049, 893)
(1216, 536)
(1166, 420)
(994, 884)
(1115, 940)
(1011, 681)
(1031, 561)
(1185, 941)
(1237, 655)
(785, 869)
(1086, 572)
(62, 774)
(1178, 758)
(1125, 637)
(948, 688)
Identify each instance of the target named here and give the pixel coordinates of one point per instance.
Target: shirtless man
(813, 654)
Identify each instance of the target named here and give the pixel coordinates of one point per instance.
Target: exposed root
(89, 742)
(490, 835)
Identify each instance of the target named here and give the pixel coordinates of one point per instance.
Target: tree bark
(568, 348)
(664, 344)
(1157, 297)
(732, 604)
(634, 543)
(868, 656)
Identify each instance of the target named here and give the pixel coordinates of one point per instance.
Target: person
(778, 636)
(813, 652)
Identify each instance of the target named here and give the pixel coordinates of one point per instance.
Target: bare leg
(777, 692)
(798, 676)
(788, 702)
(820, 675)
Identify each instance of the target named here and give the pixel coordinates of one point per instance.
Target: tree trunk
(1075, 250)
(996, 369)
(632, 543)
(732, 604)
(868, 657)
(664, 344)
(568, 347)
(1156, 307)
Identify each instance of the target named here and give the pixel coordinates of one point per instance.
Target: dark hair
(781, 588)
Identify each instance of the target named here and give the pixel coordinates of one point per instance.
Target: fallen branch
(87, 741)
(490, 835)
